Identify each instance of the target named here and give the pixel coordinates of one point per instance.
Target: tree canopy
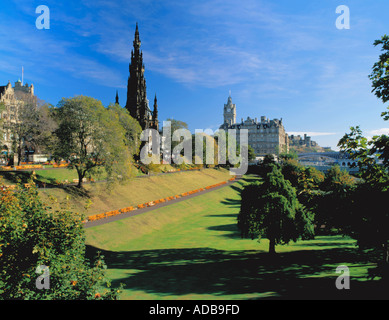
(91, 137)
(369, 215)
(270, 209)
(33, 237)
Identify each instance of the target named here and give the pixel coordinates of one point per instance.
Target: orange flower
(97, 295)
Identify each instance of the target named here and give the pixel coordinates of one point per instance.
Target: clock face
(228, 110)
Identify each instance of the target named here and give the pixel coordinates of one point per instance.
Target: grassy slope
(193, 250)
(134, 192)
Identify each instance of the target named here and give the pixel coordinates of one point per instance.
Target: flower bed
(37, 166)
(61, 165)
(153, 203)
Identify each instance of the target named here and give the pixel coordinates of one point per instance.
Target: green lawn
(193, 250)
(57, 174)
(48, 175)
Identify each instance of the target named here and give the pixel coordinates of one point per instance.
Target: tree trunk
(385, 253)
(19, 152)
(80, 177)
(272, 246)
(383, 265)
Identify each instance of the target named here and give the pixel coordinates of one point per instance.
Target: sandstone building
(299, 141)
(264, 136)
(13, 98)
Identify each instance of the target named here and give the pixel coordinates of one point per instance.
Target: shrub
(31, 235)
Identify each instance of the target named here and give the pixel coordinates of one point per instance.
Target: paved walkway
(125, 215)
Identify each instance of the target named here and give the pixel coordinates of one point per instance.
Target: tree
(369, 213)
(209, 150)
(284, 156)
(251, 153)
(291, 169)
(271, 210)
(333, 200)
(380, 74)
(2, 108)
(43, 139)
(174, 126)
(266, 165)
(24, 127)
(337, 180)
(32, 235)
(131, 127)
(90, 137)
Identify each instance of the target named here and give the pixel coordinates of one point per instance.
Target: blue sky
(280, 59)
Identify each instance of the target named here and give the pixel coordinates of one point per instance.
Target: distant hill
(305, 144)
(305, 149)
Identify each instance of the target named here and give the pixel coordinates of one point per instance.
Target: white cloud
(225, 52)
(378, 132)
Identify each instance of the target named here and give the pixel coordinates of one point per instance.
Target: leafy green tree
(208, 142)
(311, 179)
(309, 188)
(266, 165)
(380, 74)
(271, 210)
(174, 126)
(131, 127)
(292, 169)
(288, 155)
(91, 137)
(24, 127)
(369, 222)
(251, 153)
(337, 180)
(33, 235)
(308, 182)
(43, 139)
(333, 202)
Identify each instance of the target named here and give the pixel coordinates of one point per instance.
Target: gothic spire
(117, 97)
(136, 39)
(155, 111)
(137, 103)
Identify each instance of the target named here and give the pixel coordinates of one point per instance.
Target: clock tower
(229, 112)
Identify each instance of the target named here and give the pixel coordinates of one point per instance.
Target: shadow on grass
(227, 215)
(234, 203)
(238, 186)
(77, 192)
(176, 272)
(16, 177)
(324, 244)
(232, 229)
